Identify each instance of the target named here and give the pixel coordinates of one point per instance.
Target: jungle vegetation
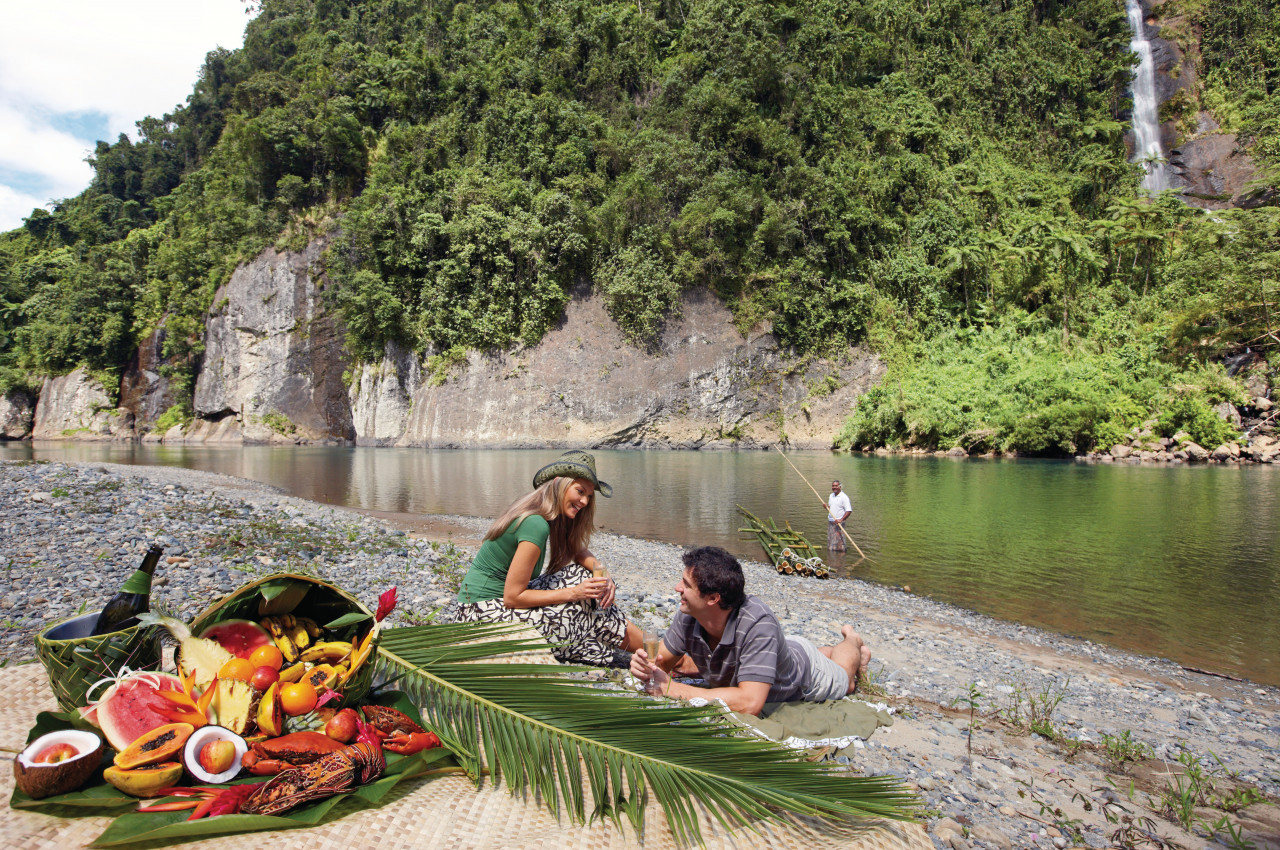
(942, 179)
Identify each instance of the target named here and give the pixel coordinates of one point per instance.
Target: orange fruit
(266, 656)
(298, 698)
(237, 668)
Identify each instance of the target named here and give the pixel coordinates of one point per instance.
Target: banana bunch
(327, 652)
(291, 634)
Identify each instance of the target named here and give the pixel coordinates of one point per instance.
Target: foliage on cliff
(854, 170)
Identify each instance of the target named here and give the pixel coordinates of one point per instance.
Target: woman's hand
(610, 592)
(592, 588)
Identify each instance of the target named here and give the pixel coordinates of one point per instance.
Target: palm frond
(541, 729)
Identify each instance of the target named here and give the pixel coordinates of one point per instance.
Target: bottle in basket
(133, 599)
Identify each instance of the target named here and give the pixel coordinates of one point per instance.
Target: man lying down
(738, 646)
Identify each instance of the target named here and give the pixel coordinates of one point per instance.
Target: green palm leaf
(542, 729)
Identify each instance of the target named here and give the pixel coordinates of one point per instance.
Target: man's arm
(744, 697)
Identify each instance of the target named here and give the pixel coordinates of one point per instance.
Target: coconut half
(207, 735)
(38, 780)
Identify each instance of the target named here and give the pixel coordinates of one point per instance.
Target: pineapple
(234, 705)
(199, 656)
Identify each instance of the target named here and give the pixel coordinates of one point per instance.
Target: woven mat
(445, 812)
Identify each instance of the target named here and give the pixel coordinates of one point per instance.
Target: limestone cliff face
(273, 360)
(17, 411)
(76, 407)
(703, 386)
(143, 389)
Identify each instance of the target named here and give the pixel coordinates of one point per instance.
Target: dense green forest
(942, 179)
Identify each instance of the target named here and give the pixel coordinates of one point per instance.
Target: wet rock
(1121, 451)
(1195, 452)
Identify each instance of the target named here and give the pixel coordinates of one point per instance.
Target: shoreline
(87, 525)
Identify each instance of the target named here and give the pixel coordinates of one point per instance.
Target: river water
(1176, 561)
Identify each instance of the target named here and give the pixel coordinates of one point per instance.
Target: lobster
(357, 764)
(266, 758)
(398, 732)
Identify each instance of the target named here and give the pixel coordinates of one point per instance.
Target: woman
(550, 527)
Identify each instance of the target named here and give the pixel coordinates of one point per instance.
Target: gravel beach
(71, 534)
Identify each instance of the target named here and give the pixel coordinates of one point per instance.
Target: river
(1176, 561)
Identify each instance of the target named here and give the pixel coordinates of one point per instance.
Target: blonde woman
(534, 567)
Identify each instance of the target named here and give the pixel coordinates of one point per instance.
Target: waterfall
(1146, 119)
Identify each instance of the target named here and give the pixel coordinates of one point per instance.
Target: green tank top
(488, 574)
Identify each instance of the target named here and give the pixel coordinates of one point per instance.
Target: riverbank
(70, 534)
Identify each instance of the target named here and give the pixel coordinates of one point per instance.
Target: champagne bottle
(133, 599)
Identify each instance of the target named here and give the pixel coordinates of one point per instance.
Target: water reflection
(1182, 562)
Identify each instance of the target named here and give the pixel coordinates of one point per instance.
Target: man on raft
(738, 646)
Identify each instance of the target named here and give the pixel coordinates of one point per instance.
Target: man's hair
(837, 481)
(716, 571)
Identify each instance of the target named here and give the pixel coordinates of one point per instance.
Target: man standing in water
(838, 510)
(738, 646)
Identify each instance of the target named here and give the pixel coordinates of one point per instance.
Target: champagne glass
(652, 644)
(598, 570)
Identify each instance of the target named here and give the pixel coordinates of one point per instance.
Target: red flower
(386, 604)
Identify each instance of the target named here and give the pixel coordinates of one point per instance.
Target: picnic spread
(290, 708)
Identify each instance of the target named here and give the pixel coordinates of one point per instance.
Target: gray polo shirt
(752, 649)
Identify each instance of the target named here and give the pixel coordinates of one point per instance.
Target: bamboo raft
(787, 548)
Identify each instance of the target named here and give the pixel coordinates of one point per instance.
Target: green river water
(1181, 562)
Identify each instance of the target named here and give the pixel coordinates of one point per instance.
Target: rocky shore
(1072, 743)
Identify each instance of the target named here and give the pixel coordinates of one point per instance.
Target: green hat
(573, 464)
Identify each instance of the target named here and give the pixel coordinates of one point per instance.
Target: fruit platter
(265, 722)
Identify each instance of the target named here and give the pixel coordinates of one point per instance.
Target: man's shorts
(827, 679)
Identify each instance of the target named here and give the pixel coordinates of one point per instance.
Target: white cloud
(15, 205)
(60, 59)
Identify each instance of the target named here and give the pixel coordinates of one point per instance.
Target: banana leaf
(168, 827)
(543, 729)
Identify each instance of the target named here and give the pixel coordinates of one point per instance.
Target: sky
(76, 71)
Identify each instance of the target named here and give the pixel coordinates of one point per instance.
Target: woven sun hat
(573, 464)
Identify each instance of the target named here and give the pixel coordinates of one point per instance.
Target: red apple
(342, 726)
(55, 753)
(264, 677)
(217, 756)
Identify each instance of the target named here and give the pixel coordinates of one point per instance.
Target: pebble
(61, 556)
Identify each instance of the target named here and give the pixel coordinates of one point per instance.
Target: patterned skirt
(580, 632)
(835, 540)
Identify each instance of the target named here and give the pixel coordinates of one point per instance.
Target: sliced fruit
(213, 755)
(270, 716)
(198, 656)
(147, 781)
(320, 677)
(239, 637)
(233, 705)
(155, 746)
(131, 708)
(40, 780)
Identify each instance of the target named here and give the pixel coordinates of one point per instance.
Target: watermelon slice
(130, 708)
(239, 637)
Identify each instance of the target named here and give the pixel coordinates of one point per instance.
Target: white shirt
(837, 506)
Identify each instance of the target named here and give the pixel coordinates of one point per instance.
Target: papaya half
(146, 781)
(159, 744)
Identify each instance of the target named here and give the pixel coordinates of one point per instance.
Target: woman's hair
(568, 536)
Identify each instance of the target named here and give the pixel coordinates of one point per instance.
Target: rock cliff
(704, 385)
(75, 406)
(17, 410)
(273, 360)
(275, 370)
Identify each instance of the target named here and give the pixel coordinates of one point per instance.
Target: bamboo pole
(820, 499)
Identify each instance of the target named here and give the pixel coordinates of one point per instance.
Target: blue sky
(75, 71)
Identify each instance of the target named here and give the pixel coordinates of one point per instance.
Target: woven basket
(323, 603)
(75, 659)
